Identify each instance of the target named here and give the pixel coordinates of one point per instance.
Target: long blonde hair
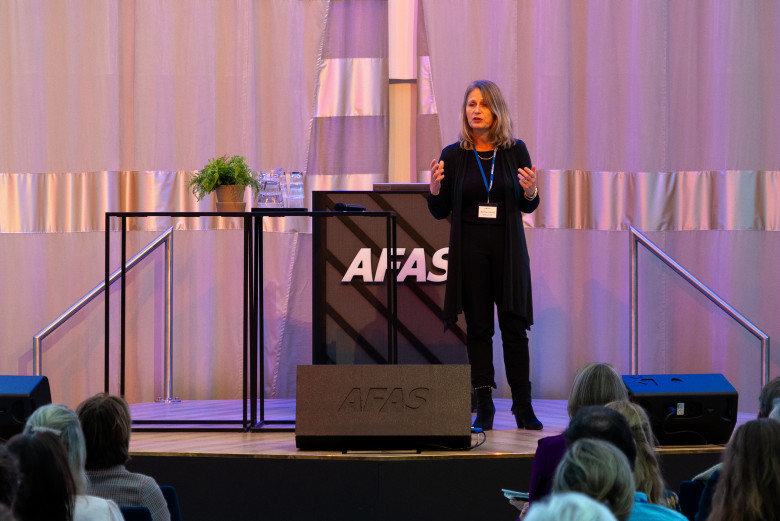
(500, 132)
(64, 422)
(647, 469)
(595, 384)
(600, 470)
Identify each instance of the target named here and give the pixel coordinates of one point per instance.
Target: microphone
(344, 207)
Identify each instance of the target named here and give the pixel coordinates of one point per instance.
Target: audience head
(9, 476)
(568, 506)
(599, 470)
(766, 399)
(595, 384)
(599, 422)
(749, 485)
(47, 490)
(647, 469)
(6, 514)
(774, 414)
(64, 422)
(105, 420)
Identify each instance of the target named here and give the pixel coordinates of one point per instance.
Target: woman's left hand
(521, 505)
(527, 178)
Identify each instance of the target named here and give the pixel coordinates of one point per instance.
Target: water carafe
(280, 175)
(270, 191)
(296, 190)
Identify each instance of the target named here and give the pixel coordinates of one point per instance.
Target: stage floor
(504, 441)
(240, 475)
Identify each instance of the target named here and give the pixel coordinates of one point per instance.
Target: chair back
(689, 494)
(172, 498)
(136, 513)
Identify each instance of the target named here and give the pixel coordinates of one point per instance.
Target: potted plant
(229, 177)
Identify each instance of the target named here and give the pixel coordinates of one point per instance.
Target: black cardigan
(517, 270)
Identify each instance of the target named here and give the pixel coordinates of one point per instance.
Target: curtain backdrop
(656, 114)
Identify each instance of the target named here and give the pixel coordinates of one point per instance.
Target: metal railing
(166, 238)
(636, 238)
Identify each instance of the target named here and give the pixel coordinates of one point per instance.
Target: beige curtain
(654, 114)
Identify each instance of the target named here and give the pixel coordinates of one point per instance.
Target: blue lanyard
(481, 171)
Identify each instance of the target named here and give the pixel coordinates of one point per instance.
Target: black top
(475, 193)
(453, 199)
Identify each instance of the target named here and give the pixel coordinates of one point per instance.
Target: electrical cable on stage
(474, 430)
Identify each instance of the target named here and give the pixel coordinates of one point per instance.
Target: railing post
(765, 361)
(637, 237)
(634, 304)
(167, 396)
(36, 356)
(167, 238)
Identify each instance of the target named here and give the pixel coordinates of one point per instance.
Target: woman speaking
(486, 181)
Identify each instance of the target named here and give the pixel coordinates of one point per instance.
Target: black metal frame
(260, 423)
(253, 347)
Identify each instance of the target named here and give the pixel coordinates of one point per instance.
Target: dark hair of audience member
(599, 470)
(769, 393)
(647, 469)
(105, 421)
(47, 489)
(599, 422)
(749, 485)
(9, 476)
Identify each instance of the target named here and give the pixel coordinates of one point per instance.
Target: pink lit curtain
(110, 106)
(658, 114)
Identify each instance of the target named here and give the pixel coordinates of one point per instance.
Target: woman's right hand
(437, 174)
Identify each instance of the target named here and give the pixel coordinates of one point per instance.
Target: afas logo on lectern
(384, 399)
(415, 265)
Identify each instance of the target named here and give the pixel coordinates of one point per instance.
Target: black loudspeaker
(686, 409)
(19, 397)
(383, 407)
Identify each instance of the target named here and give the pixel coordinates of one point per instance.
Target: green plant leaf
(223, 171)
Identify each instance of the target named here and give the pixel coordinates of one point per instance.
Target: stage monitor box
(383, 407)
(19, 397)
(686, 409)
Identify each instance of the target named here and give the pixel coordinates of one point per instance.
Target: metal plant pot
(230, 198)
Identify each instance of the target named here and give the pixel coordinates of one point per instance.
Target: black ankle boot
(485, 408)
(524, 411)
(526, 419)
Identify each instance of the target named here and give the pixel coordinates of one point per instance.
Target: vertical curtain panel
(151, 85)
(619, 85)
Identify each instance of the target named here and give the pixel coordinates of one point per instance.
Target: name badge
(487, 211)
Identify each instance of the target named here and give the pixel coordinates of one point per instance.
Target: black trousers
(482, 272)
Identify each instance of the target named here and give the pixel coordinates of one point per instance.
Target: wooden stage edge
(246, 475)
(504, 441)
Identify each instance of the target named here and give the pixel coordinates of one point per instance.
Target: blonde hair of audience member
(595, 384)
(568, 506)
(600, 470)
(749, 485)
(647, 469)
(64, 422)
